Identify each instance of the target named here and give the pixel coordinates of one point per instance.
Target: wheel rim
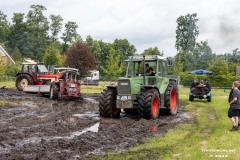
(155, 107)
(115, 111)
(173, 100)
(24, 82)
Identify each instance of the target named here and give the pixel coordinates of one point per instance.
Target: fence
(7, 78)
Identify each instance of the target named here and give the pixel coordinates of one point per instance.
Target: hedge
(215, 80)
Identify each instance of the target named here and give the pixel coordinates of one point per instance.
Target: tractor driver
(149, 70)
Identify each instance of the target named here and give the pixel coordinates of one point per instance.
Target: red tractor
(33, 73)
(67, 86)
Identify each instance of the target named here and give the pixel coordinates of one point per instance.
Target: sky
(144, 23)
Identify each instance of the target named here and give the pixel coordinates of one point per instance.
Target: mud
(35, 127)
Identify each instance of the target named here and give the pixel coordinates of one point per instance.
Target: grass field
(207, 136)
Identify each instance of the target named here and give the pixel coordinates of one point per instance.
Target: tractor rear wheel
(171, 99)
(149, 102)
(23, 80)
(107, 104)
(54, 91)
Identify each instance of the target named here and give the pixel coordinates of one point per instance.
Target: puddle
(29, 104)
(34, 140)
(87, 115)
(93, 128)
(155, 128)
(182, 117)
(91, 100)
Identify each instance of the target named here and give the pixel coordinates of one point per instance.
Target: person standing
(234, 109)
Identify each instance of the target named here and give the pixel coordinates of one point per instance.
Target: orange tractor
(59, 83)
(33, 73)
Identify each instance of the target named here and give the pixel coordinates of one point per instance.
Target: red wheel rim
(173, 100)
(115, 111)
(155, 107)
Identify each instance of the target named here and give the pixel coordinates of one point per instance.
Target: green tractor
(140, 92)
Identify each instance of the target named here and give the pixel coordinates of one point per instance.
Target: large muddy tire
(54, 91)
(23, 80)
(171, 99)
(149, 103)
(107, 104)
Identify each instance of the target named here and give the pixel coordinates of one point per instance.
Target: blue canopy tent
(200, 71)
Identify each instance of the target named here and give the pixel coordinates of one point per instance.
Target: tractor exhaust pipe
(144, 80)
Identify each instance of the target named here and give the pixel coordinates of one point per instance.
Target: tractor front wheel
(107, 104)
(54, 91)
(23, 80)
(171, 99)
(149, 102)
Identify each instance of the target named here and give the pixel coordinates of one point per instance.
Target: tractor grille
(124, 87)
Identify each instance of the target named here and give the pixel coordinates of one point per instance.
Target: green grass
(208, 130)
(8, 84)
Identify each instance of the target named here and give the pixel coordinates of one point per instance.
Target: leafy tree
(124, 48)
(80, 56)
(56, 26)
(70, 35)
(37, 37)
(16, 56)
(52, 56)
(18, 33)
(202, 55)
(12, 69)
(4, 27)
(218, 66)
(152, 51)
(187, 32)
(112, 70)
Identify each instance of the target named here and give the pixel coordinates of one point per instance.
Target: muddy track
(34, 127)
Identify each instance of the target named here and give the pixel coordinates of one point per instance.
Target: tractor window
(42, 68)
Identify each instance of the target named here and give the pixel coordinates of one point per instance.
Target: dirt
(36, 127)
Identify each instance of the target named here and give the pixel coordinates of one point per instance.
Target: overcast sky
(145, 23)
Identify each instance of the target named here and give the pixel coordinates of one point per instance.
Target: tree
(52, 56)
(80, 56)
(4, 27)
(123, 48)
(202, 55)
(152, 51)
(12, 69)
(56, 26)
(18, 34)
(112, 70)
(16, 56)
(218, 66)
(37, 27)
(186, 32)
(70, 35)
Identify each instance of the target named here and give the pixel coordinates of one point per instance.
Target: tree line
(33, 35)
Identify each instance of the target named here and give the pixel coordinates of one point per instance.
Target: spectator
(194, 84)
(233, 111)
(206, 85)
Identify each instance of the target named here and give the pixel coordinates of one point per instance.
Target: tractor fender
(147, 87)
(112, 87)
